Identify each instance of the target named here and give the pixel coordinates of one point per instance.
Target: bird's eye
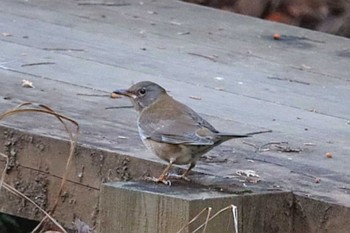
(142, 91)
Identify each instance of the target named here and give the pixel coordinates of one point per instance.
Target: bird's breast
(178, 153)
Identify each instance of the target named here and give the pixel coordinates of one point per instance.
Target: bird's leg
(184, 175)
(163, 176)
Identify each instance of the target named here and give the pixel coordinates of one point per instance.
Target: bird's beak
(124, 92)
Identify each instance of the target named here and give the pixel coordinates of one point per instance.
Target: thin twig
(289, 80)
(278, 145)
(288, 149)
(261, 148)
(259, 132)
(103, 4)
(117, 107)
(64, 49)
(252, 145)
(203, 56)
(38, 64)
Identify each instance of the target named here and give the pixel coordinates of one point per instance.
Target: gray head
(142, 94)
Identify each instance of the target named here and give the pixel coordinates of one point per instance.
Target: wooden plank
(109, 127)
(267, 213)
(315, 216)
(262, 77)
(251, 30)
(37, 168)
(146, 207)
(298, 87)
(139, 207)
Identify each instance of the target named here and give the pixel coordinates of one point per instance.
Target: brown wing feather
(168, 120)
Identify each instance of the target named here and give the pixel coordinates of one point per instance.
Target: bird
(171, 129)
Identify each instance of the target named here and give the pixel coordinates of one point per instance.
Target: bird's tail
(258, 132)
(228, 136)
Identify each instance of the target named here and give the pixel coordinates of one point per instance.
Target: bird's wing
(189, 139)
(176, 126)
(173, 132)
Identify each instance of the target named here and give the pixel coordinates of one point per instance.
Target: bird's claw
(176, 176)
(185, 178)
(158, 180)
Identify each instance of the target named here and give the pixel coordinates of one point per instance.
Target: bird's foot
(159, 180)
(179, 177)
(185, 178)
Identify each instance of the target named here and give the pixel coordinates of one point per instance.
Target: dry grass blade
(234, 212)
(208, 219)
(235, 217)
(39, 225)
(208, 209)
(38, 108)
(19, 194)
(4, 171)
(73, 141)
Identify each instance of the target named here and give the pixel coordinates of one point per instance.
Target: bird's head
(142, 94)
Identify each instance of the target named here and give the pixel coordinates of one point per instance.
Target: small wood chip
(184, 33)
(195, 97)
(329, 155)
(276, 36)
(305, 67)
(309, 144)
(27, 84)
(175, 23)
(6, 34)
(247, 173)
(253, 180)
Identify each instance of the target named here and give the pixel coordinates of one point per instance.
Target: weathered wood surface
(141, 207)
(298, 86)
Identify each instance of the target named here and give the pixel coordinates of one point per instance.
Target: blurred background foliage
(330, 16)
